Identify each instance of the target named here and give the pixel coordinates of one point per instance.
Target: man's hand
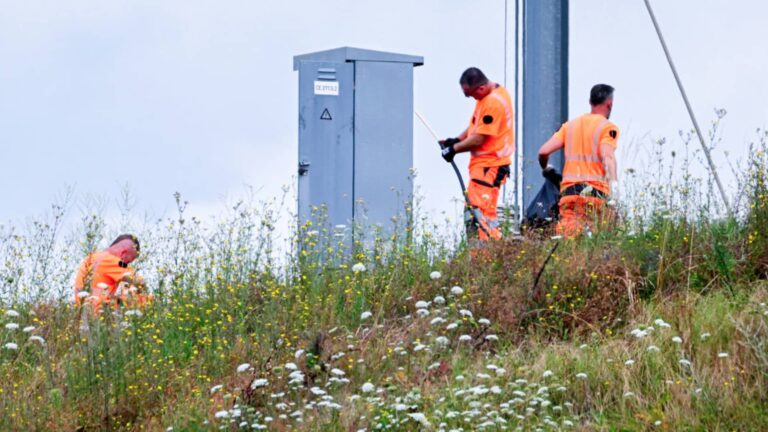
(448, 151)
(449, 142)
(551, 174)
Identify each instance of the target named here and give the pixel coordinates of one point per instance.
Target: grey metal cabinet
(355, 137)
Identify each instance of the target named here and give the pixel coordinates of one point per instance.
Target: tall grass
(659, 322)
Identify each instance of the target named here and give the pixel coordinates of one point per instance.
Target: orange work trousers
(483, 194)
(578, 213)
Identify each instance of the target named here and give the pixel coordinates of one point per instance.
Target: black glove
(448, 151)
(551, 174)
(449, 142)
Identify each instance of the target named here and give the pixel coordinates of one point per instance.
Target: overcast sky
(200, 97)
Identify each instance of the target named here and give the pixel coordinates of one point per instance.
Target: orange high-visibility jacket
(100, 267)
(582, 138)
(493, 117)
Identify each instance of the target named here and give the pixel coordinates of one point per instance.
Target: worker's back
(582, 138)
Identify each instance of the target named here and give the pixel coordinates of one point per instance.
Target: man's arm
(554, 144)
(468, 143)
(463, 135)
(609, 162)
(133, 279)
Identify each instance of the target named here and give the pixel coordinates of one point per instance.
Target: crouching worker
(105, 277)
(589, 175)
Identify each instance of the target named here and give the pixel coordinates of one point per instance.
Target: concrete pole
(545, 85)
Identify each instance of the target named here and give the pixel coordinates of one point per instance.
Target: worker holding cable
(589, 177)
(490, 140)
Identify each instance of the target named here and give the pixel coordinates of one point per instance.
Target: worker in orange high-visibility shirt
(589, 175)
(490, 140)
(109, 276)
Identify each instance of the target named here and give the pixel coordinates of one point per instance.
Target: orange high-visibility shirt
(101, 267)
(493, 117)
(582, 138)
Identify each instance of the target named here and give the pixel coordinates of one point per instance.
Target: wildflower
(38, 339)
(466, 313)
(11, 326)
(357, 268)
(451, 326)
(496, 390)
(677, 340)
(435, 275)
(298, 354)
(261, 382)
(365, 315)
(629, 394)
(102, 285)
(567, 423)
(10, 313)
(657, 423)
(422, 313)
(338, 372)
(705, 335)
(442, 340)
(484, 321)
(368, 387)
(421, 304)
(583, 346)
(28, 329)
(483, 376)
(420, 418)
(133, 312)
(221, 414)
(457, 291)
(652, 348)
(684, 362)
(83, 294)
(465, 338)
(660, 322)
(629, 362)
(722, 355)
(639, 333)
(439, 300)
(11, 346)
(216, 388)
(297, 377)
(581, 375)
(243, 367)
(437, 320)
(501, 371)
(547, 374)
(317, 391)
(491, 337)
(460, 378)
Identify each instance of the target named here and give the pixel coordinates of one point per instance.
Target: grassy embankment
(658, 323)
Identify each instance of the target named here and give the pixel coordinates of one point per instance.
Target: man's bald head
(127, 247)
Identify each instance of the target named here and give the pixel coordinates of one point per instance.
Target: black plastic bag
(544, 209)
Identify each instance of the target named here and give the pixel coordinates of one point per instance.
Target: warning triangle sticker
(326, 115)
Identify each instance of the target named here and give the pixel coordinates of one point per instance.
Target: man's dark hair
(600, 93)
(473, 77)
(130, 237)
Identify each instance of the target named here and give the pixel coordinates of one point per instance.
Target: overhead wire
(704, 146)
